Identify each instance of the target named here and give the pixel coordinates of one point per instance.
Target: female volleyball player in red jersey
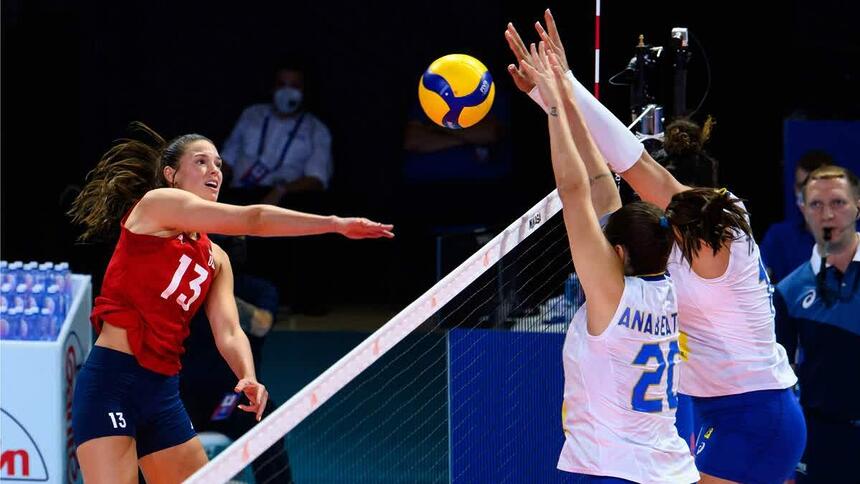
(161, 196)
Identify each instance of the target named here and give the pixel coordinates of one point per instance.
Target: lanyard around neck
(264, 132)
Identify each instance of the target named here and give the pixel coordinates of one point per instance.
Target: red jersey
(152, 288)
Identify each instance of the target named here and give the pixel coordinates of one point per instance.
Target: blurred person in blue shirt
(817, 322)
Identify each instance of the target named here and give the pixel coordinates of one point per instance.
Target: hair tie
(664, 222)
(722, 191)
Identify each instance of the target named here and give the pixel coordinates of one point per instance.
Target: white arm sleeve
(616, 143)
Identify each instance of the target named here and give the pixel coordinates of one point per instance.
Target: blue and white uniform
(827, 331)
(736, 372)
(620, 390)
(727, 326)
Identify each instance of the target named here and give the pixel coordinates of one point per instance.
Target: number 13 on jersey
(183, 300)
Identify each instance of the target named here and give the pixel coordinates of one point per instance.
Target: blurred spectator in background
(817, 322)
(279, 148)
(787, 243)
(280, 153)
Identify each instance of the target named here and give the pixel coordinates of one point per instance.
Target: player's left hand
(257, 395)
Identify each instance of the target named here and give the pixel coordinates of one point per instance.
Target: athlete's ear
(169, 174)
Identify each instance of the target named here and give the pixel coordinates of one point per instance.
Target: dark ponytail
(132, 167)
(644, 232)
(709, 216)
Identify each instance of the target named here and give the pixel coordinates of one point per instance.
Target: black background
(74, 74)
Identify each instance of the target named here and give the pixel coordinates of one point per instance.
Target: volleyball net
(463, 385)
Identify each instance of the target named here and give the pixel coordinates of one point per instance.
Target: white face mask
(287, 99)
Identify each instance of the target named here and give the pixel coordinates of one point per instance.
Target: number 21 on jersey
(183, 300)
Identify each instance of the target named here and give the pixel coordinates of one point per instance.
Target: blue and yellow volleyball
(456, 91)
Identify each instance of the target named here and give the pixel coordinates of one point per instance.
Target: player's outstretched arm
(174, 209)
(599, 267)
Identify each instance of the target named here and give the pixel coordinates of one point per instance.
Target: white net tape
(247, 448)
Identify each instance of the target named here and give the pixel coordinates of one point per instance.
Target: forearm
(236, 351)
(652, 182)
(619, 147)
(591, 157)
(604, 192)
(571, 177)
(272, 221)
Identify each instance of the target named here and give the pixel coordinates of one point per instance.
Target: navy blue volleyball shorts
(754, 438)
(114, 395)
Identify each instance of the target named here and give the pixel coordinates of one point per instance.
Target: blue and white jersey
(827, 332)
(727, 326)
(620, 390)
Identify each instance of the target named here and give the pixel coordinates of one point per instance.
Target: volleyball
(456, 91)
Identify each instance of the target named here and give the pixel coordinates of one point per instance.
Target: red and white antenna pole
(597, 49)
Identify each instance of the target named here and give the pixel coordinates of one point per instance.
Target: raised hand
(515, 43)
(552, 39)
(543, 70)
(553, 44)
(362, 228)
